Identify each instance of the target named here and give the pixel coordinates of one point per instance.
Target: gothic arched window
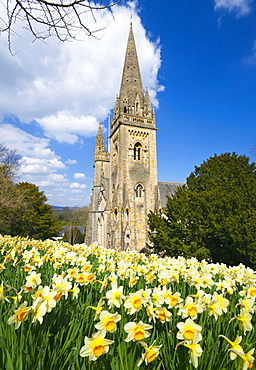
(137, 151)
(138, 191)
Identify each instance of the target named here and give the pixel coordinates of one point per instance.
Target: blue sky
(198, 59)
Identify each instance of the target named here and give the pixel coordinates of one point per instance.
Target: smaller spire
(148, 109)
(100, 149)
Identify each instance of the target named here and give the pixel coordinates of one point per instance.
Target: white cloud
(37, 158)
(251, 59)
(27, 144)
(38, 165)
(76, 185)
(79, 176)
(241, 7)
(64, 127)
(67, 88)
(70, 87)
(71, 161)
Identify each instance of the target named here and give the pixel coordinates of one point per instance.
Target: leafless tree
(9, 163)
(61, 18)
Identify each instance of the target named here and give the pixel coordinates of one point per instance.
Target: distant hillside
(59, 209)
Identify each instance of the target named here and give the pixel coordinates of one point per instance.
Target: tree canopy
(36, 219)
(214, 214)
(23, 208)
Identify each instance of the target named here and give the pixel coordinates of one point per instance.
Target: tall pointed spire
(132, 104)
(131, 84)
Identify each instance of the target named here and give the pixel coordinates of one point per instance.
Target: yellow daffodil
(108, 321)
(115, 296)
(235, 346)
(174, 299)
(48, 297)
(33, 280)
(98, 309)
(137, 331)
(247, 303)
(75, 291)
(96, 346)
(190, 308)
(133, 302)
(151, 312)
(163, 314)
(150, 353)
(38, 310)
(247, 358)
(157, 297)
(195, 350)
(245, 320)
(188, 330)
(21, 314)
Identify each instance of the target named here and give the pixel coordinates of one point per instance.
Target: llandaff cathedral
(125, 186)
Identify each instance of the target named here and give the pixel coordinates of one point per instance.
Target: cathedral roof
(167, 189)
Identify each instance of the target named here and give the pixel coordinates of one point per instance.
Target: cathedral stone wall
(125, 185)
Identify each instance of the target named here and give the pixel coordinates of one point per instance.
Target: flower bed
(80, 307)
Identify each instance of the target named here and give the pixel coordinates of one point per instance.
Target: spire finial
(130, 18)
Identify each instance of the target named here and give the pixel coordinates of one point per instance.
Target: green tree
(10, 200)
(214, 214)
(36, 218)
(76, 216)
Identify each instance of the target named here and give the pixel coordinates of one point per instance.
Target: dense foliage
(36, 219)
(75, 216)
(213, 215)
(88, 308)
(23, 208)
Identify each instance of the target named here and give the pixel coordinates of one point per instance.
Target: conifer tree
(36, 218)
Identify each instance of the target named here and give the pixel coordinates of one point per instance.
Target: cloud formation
(68, 88)
(79, 176)
(59, 92)
(241, 7)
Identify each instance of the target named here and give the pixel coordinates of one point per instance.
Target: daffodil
(96, 346)
(163, 314)
(99, 308)
(173, 299)
(235, 346)
(157, 297)
(195, 350)
(247, 358)
(108, 321)
(151, 312)
(48, 296)
(21, 314)
(190, 308)
(75, 291)
(133, 302)
(33, 280)
(150, 353)
(115, 296)
(245, 319)
(137, 331)
(247, 303)
(38, 310)
(188, 330)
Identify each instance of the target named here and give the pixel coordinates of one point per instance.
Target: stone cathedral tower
(125, 184)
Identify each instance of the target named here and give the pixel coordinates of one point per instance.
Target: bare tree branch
(63, 19)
